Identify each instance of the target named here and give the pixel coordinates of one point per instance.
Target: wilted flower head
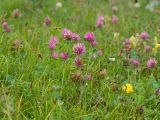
(47, 21)
(100, 21)
(135, 62)
(115, 19)
(53, 42)
(78, 62)
(89, 76)
(75, 37)
(67, 34)
(94, 56)
(79, 49)
(151, 63)
(6, 27)
(77, 76)
(17, 43)
(89, 36)
(144, 36)
(16, 13)
(127, 88)
(114, 9)
(64, 55)
(148, 48)
(100, 52)
(54, 55)
(103, 73)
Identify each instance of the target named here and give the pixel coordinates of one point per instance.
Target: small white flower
(112, 59)
(137, 5)
(59, 102)
(58, 5)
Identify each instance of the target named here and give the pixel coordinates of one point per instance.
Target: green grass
(40, 88)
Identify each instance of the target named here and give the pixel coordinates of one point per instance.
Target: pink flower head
(94, 43)
(53, 42)
(75, 37)
(79, 49)
(148, 48)
(135, 62)
(54, 55)
(64, 55)
(67, 34)
(115, 19)
(78, 62)
(89, 36)
(127, 43)
(144, 36)
(6, 27)
(100, 21)
(47, 21)
(151, 63)
(4, 24)
(16, 13)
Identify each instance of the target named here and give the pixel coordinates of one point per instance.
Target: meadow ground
(113, 74)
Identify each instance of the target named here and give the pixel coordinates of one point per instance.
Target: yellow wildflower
(144, 43)
(154, 50)
(124, 88)
(155, 40)
(127, 88)
(133, 41)
(116, 36)
(107, 18)
(157, 46)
